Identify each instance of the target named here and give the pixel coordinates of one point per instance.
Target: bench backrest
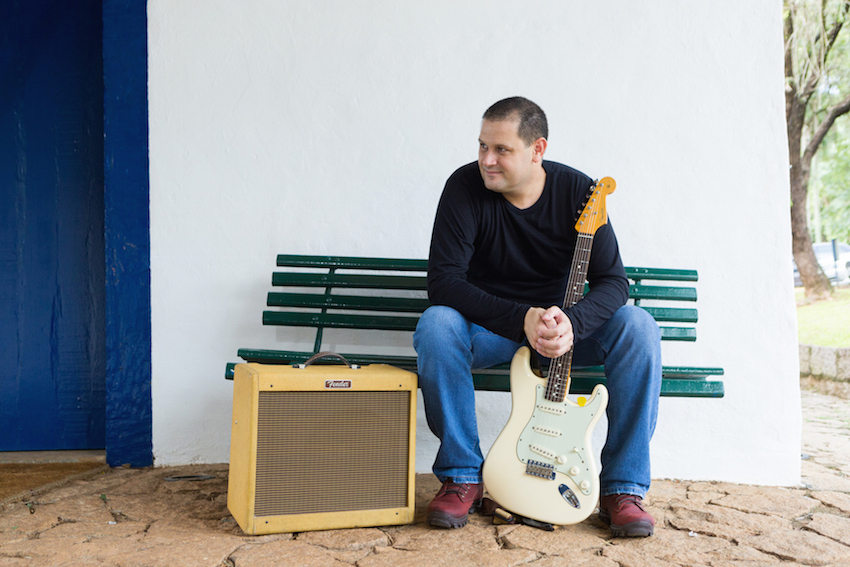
(390, 295)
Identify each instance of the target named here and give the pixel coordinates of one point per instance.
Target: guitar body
(542, 465)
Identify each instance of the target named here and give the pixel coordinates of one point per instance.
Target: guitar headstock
(594, 213)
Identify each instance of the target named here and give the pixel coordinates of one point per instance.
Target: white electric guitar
(542, 465)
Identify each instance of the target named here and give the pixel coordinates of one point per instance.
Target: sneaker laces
(622, 499)
(450, 488)
(453, 488)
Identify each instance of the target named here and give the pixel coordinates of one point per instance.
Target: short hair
(532, 119)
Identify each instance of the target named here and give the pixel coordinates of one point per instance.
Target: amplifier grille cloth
(331, 451)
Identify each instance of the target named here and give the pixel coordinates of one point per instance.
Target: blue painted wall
(127, 230)
(74, 228)
(52, 334)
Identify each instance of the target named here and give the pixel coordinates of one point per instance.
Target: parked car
(836, 271)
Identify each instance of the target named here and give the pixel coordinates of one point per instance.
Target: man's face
(505, 162)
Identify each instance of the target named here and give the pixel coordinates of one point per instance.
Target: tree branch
(833, 33)
(820, 133)
(831, 36)
(790, 83)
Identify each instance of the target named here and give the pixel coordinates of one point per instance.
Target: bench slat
(353, 263)
(688, 334)
(416, 305)
(418, 265)
(669, 387)
(348, 281)
(418, 283)
(409, 363)
(400, 323)
(498, 379)
(358, 302)
(672, 314)
(661, 274)
(340, 321)
(296, 357)
(662, 293)
(680, 372)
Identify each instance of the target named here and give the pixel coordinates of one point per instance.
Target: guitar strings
(558, 379)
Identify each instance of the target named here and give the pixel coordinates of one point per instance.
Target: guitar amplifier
(321, 447)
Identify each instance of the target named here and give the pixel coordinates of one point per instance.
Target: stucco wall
(330, 128)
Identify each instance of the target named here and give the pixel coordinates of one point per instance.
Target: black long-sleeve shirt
(492, 261)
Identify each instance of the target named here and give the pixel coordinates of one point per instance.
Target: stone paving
(136, 518)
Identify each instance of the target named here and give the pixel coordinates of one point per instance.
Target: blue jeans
(629, 345)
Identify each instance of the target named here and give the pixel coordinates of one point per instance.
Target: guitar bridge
(541, 470)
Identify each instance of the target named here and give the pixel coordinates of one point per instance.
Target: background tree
(817, 92)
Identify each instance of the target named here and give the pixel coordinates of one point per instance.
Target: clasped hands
(549, 331)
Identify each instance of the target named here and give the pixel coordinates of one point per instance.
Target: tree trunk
(814, 280)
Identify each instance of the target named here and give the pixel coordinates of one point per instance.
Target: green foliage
(820, 54)
(825, 57)
(833, 179)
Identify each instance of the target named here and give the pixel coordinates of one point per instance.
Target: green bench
(336, 292)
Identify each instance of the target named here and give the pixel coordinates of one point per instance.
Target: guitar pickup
(555, 410)
(542, 451)
(551, 432)
(541, 470)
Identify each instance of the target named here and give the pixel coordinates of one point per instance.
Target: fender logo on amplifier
(337, 384)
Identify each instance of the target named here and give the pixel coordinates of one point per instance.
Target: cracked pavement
(135, 517)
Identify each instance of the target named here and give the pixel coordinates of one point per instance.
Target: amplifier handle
(326, 354)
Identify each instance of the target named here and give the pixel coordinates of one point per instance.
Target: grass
(824, 323)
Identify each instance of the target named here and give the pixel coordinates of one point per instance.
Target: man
(500, 257)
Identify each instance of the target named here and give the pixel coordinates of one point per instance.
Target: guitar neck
(578, 270)
(558, 382)
(590, 219)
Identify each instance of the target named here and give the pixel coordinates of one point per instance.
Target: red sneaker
(626, 516)
(453, 503)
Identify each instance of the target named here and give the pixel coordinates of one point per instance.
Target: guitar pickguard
(555, 436)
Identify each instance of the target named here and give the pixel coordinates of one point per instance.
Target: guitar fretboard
(558, 381)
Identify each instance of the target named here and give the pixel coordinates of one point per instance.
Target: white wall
(330, 128)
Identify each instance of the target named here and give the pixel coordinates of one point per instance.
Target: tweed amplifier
(321, 447)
